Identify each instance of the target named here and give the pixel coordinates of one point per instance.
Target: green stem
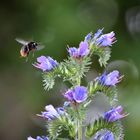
(79, 121)
(79, 130)
(78, 81)
(79, 125)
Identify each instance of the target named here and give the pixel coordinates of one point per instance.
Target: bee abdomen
(24, 52)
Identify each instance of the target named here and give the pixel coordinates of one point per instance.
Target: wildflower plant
(68, 122)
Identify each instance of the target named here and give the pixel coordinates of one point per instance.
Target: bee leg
(33, 54)
(26, 59)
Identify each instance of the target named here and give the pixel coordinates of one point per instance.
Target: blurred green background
(57, 24)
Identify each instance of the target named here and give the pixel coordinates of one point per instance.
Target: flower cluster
(67, 122)
(100, 39)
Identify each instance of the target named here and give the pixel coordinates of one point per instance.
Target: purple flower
(82, 51)
(104, 135)
(45, 63)
(38, 138)
(51, 113)
(78, 94)
(88, 37)
(106, 39)
(110, 79)
(60, 110)
(97, 34)
(114, 114)
(73, 52)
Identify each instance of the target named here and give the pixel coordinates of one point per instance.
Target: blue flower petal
(80, 94)
(45, 63)
(114, 114)
(83, 49)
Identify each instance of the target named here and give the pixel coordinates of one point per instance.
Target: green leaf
(74, 69)
(48, 80)
(115, 127)
(104, 54)
(62, 128)
(111, 93)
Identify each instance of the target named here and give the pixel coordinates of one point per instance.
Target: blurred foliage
(57, 24)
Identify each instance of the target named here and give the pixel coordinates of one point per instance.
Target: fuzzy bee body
(28, 47)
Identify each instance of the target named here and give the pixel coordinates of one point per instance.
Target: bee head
(35, 44)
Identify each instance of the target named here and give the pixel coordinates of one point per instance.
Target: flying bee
(28, 46)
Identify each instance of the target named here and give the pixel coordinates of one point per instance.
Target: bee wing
(40, 47)
(21, 41)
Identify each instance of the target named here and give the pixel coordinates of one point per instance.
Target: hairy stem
(79, 121)
(79, 130)
(79, 125)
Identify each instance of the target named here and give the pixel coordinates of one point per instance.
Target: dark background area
(57, 24)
